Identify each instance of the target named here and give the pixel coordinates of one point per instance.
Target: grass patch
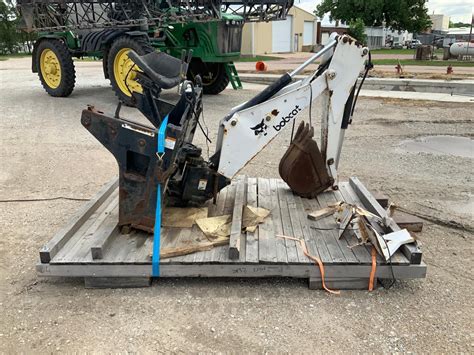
(392, 51)
(263, 58)
(429, 63)
(4, 57)
(438, 51)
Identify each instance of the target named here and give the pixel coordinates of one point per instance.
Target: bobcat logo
(260, 128)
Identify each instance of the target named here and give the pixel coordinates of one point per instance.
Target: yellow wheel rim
(124, 74)
(50, 68)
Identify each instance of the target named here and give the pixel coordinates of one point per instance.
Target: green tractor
(110, 29)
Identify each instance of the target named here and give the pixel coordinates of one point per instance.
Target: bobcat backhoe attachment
(159, 164)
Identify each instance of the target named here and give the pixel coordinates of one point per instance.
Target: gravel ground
(46, 153)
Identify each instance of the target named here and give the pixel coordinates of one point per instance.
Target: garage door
(308, 33)
(324, 38)
(282, 35)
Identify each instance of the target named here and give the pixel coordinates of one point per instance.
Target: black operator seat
(161, 68)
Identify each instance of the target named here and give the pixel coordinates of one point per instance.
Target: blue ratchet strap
(155, 260)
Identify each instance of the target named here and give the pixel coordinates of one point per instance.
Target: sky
(458, 10)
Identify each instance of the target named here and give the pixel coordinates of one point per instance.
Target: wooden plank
(293, 252)
(222, 253)
(321, 213)
(192, 248)
(117, 282)
(267, 251)
(360, 283)
(348, 192)
(277, 222)
(360, 251)
(237, 238)
(381, 198)
(251, 239)
(169, 239)
(297, 227)
(230, 270)
(218, 211)
(64, 235)
(351, 198)
(317, 235)
(103, 237)
(407, 221)
(327, 198)
(411, 251)
(305, 227)
(142, 247)
(78, 247)
(324, 230)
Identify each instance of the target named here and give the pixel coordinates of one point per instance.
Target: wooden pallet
(91, 246)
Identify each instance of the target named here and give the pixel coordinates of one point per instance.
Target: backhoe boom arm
(244, 133)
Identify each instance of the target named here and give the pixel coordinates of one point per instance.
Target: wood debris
(179, 217)
(193, 248)
(219, 227)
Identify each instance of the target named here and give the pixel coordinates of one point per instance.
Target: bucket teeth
(303, 167)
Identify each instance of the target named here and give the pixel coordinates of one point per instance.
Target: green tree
(458, 24)
(411, 15)
(9, 35)
(357, 30)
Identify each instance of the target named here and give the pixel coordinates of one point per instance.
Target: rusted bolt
(141, 142)
(331, 161)
(345, 39)
(331, 74)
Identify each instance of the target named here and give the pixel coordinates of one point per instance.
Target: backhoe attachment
(303, 167)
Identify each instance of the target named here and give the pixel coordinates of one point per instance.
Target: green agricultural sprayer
(110, 29)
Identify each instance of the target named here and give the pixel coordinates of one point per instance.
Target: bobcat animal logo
(260, 128)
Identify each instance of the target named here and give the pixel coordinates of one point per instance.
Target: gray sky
(459, 10)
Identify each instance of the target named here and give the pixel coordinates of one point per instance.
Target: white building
(439, 22)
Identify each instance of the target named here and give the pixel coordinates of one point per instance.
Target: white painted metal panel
(282, 35)
(308, 33)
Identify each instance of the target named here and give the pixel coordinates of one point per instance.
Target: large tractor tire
(55, 67)
(119, 66)
(213, 75)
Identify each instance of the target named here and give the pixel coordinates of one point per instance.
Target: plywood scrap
(216, 227)
(253, 216)
(182, 217)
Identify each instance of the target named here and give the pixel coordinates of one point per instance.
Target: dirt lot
(46, 153)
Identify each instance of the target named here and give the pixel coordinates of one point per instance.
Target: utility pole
(470, 35)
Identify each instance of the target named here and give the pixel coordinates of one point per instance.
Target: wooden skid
(91, 246)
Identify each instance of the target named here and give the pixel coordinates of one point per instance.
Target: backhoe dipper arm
(249, 128)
